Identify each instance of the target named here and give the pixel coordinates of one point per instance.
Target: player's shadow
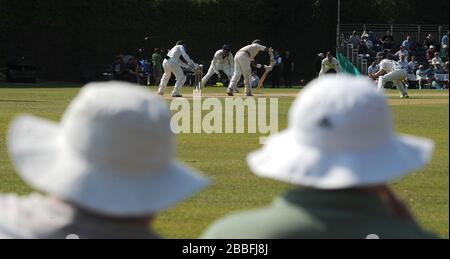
(40, 84)
(19, 101)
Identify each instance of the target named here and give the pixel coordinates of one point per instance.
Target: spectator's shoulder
(28, 217)
(276, 222)
(10, 210)
(238, 225)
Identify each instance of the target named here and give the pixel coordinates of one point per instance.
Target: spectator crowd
(139, 69)
(426, 62)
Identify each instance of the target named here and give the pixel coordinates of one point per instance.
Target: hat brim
(286, 160)
(49, 166)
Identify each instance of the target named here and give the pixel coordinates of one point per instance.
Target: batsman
(242, 66)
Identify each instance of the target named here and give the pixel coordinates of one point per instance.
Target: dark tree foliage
(65, 36)
(395, 11)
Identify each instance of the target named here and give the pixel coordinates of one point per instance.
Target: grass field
(222, 157)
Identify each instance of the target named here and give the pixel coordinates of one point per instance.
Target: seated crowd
(139, 69)
(430, 56)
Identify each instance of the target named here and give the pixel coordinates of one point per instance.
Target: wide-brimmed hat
(112, 154)
(340, 135)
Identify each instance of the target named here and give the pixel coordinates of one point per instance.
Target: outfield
(222, 157)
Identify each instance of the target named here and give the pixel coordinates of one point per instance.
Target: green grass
(222, 157)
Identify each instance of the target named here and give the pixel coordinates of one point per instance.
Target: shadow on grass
(19, 101)
(43, 84)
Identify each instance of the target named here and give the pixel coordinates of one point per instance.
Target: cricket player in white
(242, 66)
(330, 63)
(173, 64)
(391, 71)
(223, 61)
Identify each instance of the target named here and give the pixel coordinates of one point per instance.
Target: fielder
(242, 66)
(173, 64)
(328, 64)
(391, 71)
(223, 61)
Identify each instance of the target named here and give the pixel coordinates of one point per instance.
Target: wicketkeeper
(222, 63)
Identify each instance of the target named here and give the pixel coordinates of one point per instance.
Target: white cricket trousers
(241, 68)
(170, 68)
(225, 69)
(396, 77)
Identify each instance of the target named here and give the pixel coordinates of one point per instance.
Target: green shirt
(314, 214)
(157, 62)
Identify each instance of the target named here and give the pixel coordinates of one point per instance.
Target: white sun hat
(113, 153)
(340, 135)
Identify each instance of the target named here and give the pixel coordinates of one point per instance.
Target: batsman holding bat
(242, 66)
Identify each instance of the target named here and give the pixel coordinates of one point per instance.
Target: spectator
(429, 41)
(145, 70)
(355, 39)
(364, 35)
(106, 171)
(369, 43)
(288, 69)
(387, 41)
(363, 49)
(403, 62)
(431, 74)
(255, 79)
(412, 65)
(422, 77)
(157, 61)
(276, 71)
(444, 41)
(386, 53)
(430, 53)
(371, 37)
(388, 37)
(341, 162)
(402, 51)
(132, 72)
(127, 58)
(318, 62)
(367, 47)
(119, 67)
(437, 60)
(439, 69)
(440, 82)
(373, 69)
(140, 54)
(444, 53)
(408, 43)
(446, 71)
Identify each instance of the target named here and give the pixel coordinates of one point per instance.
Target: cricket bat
(262, 80)
(264, 77)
